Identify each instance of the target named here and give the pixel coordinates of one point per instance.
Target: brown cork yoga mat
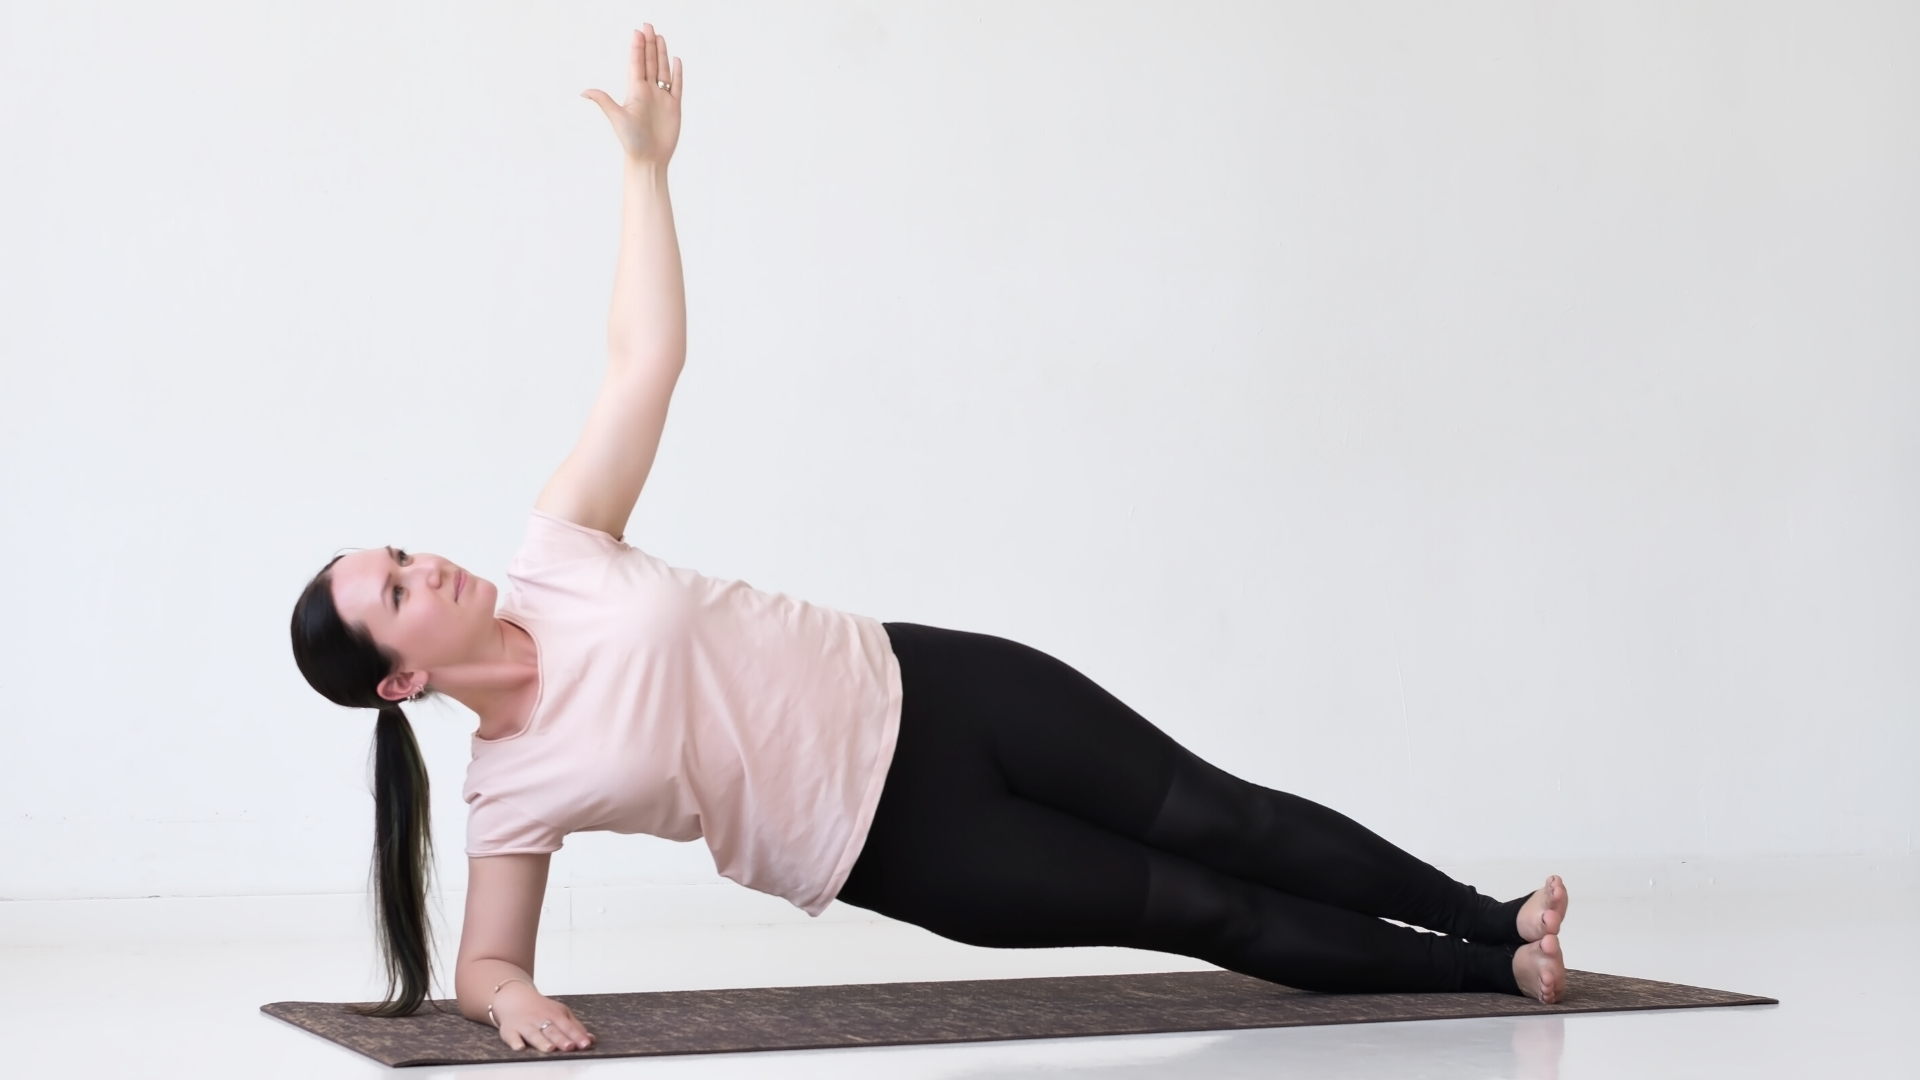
(891, 1014)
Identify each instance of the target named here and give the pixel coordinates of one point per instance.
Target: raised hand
(648, 124)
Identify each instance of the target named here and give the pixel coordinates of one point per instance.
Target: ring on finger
(545, 1024)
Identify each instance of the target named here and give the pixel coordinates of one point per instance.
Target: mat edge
(1746, 1001)
(1740, 1001)
(592, 1056)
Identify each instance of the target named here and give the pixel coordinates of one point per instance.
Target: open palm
(648, 124)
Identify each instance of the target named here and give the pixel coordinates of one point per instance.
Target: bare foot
(1544, 911)
(1540, 970)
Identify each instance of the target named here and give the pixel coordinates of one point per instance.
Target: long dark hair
(344, 664)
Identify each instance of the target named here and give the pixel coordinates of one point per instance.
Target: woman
(963, 783)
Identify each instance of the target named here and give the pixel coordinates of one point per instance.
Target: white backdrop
(1494, 420)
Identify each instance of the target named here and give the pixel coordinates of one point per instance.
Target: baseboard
(333, 916)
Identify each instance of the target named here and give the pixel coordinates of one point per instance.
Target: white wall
(1495, 420)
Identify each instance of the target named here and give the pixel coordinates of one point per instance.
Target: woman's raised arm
(600, 480)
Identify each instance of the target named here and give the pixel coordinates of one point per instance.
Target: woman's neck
(500, 688)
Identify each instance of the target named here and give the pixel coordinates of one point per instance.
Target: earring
(417, 694)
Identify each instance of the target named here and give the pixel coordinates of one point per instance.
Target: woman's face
(422, 608)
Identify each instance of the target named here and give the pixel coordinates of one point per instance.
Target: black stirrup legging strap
(1027, 807)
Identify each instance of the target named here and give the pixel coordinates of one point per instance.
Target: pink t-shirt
(684, 706)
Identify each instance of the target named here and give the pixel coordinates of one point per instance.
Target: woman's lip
(459, 583)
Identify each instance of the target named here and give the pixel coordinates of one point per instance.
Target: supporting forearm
(647, 324)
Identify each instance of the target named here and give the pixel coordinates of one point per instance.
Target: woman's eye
(396, 596)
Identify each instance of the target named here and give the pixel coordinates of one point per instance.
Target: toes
(1548, 971)
(1553, 911)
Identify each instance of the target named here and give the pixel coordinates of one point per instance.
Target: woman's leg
(950, 849)
(1303, 848)
(1059, 740)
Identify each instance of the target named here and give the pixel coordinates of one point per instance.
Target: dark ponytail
(402, 859)
(345, 665)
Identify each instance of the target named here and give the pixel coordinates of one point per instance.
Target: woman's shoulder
(549, 535)
(554, 542)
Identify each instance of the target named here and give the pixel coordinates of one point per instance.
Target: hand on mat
(522, 1011)
(649, 123)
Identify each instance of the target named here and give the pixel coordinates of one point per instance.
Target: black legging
(1026, 807)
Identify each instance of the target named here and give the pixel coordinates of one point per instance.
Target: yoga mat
(892, 1014)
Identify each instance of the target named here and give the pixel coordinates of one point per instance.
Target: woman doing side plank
(963, 783)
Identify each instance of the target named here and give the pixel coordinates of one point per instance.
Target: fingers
(649, 64)
(547, 1034)
(546, 1040)
(573, 1031)
(537, 1038)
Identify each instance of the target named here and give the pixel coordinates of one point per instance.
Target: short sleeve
(497, 827)
(551, 540)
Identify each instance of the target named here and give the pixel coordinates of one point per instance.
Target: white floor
(1840, 964)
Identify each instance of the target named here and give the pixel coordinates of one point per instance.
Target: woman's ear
(402, 685)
